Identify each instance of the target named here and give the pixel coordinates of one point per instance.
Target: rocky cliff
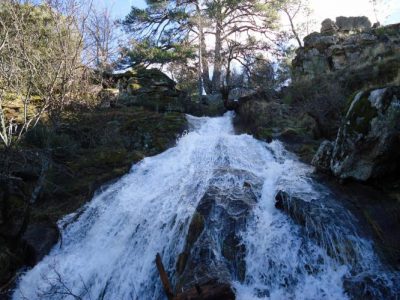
(367, 143)
(348, 43)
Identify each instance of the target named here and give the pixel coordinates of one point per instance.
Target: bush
(321, 98)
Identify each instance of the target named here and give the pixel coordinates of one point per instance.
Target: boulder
(367, 143)
(213, 250)
(350, 24)
(322, 159)
(40, 238)
(319, 41)
(325, 221)
(328, 27)
(149, 88)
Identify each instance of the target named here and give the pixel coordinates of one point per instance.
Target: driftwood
(212, 290)
(164, 277)
(209, 291)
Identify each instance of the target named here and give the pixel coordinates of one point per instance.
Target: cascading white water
(108, 248)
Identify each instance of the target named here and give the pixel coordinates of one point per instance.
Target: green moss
(134, 86)
(361, 115)
(264, 133)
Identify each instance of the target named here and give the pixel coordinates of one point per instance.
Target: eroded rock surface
(213, 250)
(367, 143)
(348, 42)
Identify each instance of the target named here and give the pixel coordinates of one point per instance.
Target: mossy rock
(265, 134)
(361, 114)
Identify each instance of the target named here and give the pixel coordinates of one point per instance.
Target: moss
(265, 134)
(105, 144)
(135, 86)
(361, 115)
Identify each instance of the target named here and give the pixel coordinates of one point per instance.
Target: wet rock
(213, 251)
(209, 291)
(366, 286)
(40, 238)
(324, 221)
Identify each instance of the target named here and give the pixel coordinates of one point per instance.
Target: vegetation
(171, 31)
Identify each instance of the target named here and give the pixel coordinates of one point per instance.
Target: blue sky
(322, 9)
(121, 8)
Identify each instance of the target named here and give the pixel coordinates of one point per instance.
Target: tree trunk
(207, 84)
(216, 80)
(296, 35)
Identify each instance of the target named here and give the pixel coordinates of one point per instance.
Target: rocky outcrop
(367, 143)
(322, 159)
(348, 42)
(149, 88)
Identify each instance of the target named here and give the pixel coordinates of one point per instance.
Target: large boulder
(150, 88)
(322, 159)
(367, 143)
(213, 251)
(328, 27)
(319, 41)
(349, 24)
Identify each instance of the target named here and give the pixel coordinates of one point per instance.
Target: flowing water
(108, 248)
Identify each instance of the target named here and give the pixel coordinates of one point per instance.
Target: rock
(41, 237)
(367, 143)
(349, 24)
(346, 45)
(322, 159)
(149, 88)
(326, 222)
(319, 41)
(214, 231)
(210, 291)
(108, 97)
(328, 27)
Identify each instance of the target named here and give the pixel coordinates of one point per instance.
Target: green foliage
(146, 52)
(172, 31)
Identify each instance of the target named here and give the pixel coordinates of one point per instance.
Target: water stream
(108, 248)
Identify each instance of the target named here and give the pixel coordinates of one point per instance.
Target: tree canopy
(218, 32)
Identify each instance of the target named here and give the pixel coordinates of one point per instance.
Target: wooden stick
(164, 278)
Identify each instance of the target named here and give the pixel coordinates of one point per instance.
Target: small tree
(40, 62)
(299, 16)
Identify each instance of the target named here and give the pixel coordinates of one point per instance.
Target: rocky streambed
(226, 212)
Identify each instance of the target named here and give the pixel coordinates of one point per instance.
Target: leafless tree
(41, 67)
(102, 39)
(298, 13)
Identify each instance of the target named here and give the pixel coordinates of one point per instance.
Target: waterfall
(108, 248)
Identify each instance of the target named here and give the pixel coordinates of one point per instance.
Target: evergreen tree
(208, 26)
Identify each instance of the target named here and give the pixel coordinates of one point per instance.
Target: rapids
(108, 248)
